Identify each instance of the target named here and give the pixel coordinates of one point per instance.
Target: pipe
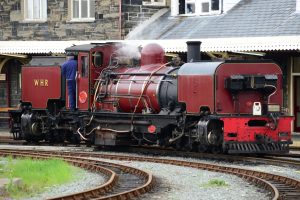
(275, 90)
(143, 74)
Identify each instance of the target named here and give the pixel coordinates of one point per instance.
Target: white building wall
(174, 7)
(298, 6)
(228, 4)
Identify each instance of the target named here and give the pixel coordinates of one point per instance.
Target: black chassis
(109, 128)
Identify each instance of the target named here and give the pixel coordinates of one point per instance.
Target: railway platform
(296, 140)
(4, 132)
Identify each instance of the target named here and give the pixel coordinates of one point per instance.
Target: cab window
(97, 59)
(84, 66)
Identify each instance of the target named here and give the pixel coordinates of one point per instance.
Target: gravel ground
(85, 180)
(187, 183)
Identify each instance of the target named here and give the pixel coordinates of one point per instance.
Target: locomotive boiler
(223, 106)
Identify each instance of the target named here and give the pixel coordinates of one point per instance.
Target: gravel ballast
(184, 183)
(84, 181)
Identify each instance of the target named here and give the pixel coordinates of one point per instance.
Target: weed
(36, 175)
(215, 183)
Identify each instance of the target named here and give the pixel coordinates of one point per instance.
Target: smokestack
(193, 51)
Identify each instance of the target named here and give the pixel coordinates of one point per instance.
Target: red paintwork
(152, 54)
(95, 71)
(208, 90)
(224, 103)
(196, 91)
(82, 82)
(34, 86)
(245, 133)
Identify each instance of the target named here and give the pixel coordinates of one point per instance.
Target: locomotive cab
(91, 59)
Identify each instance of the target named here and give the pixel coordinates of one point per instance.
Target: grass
(215, 183)
(36, 175)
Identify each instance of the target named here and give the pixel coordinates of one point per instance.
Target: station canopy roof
(276, 43)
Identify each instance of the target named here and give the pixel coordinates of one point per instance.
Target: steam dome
(152, 54)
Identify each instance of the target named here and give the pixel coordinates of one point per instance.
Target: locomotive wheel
(32, 138)
(48, 137)
(187, 144)
(179, 144)
(215, 149)
(76, 139)
(59, 136)
(202, 148)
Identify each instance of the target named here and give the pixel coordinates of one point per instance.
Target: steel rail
(266, 159)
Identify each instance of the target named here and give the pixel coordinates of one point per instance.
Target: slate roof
(249, 18)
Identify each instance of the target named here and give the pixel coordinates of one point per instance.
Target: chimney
(193, 51)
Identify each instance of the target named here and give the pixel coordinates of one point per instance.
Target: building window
(195, 7)
(190, 7)
(83, 9)
(210, 6)
(35, 10)
(154, 2)
(215, 5)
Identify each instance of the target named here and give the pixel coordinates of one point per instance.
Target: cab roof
(87, 47)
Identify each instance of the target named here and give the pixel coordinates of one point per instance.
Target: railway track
(10, 140)
(279, 187)
(276, 159)
(123, 182)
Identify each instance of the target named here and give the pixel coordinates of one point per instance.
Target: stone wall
(59, 27)
(134, 13)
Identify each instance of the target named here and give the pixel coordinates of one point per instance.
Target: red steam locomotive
(224, 106)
